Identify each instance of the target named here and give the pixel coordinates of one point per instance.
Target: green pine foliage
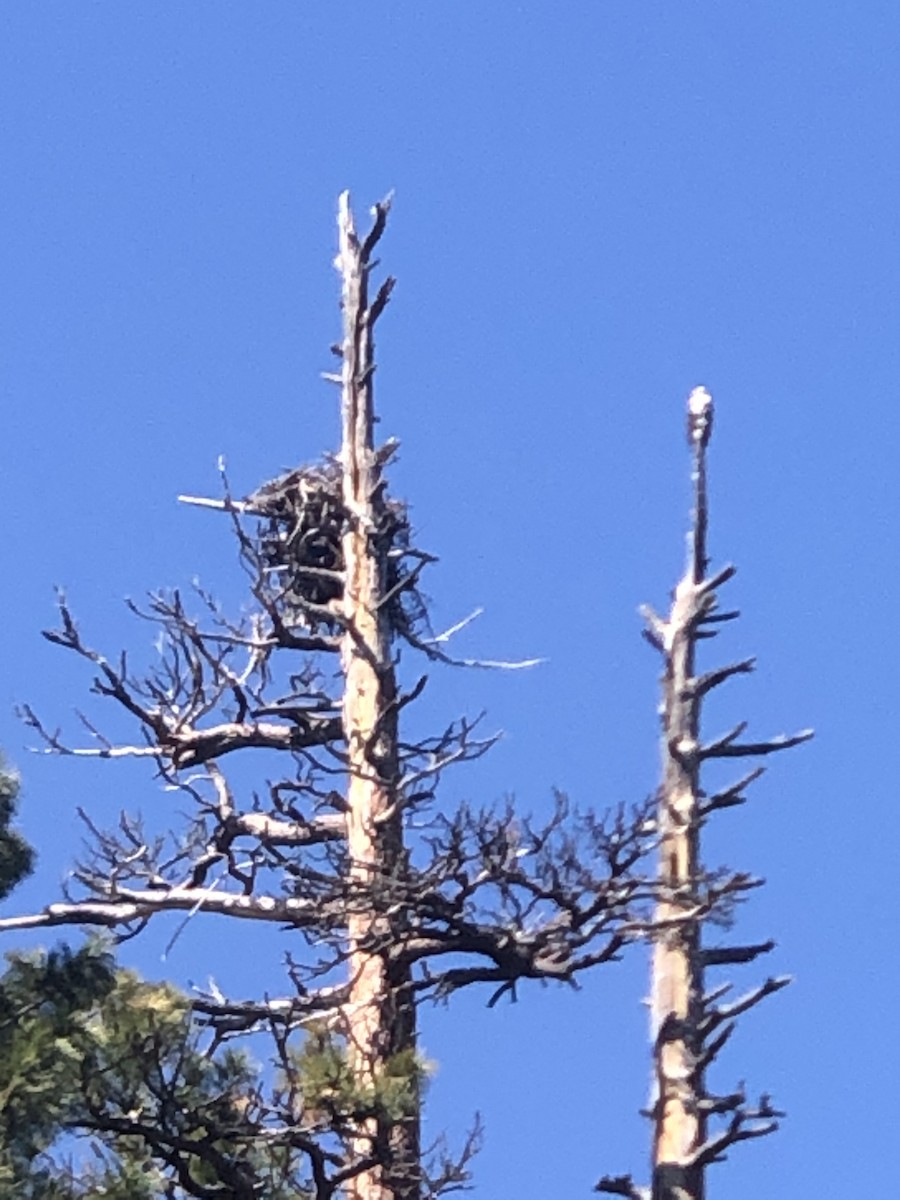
(109, 1089)
(331, 1093)
(105, 1087)
(108, 1092)
(16, 856)
(45, 1004)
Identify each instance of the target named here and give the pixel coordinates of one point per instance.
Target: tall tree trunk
(677, 971)
(692, 1126)
(381, 1014)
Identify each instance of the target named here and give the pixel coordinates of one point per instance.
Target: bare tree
(690, 1025)
(378, 917)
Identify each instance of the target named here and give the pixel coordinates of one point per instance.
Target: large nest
(299, 547)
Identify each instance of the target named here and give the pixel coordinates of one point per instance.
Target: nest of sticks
(298, 544)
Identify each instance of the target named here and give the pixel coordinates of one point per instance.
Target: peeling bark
(381, 1016)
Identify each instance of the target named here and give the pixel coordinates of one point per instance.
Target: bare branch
(728, 747)
(133, 904)
(731, 955)
(712, 679)
(746, 1123)
(733, 795)
(727, 1012)
(622, 1185)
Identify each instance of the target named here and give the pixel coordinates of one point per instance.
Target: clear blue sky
(599, 205)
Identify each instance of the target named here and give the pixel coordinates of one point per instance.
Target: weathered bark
(677, 972)
(381, 1016)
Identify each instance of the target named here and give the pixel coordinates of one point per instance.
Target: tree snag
(385, 900)
(380, 1014)
(688, 1027)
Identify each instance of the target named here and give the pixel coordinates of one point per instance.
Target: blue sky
(598, 206)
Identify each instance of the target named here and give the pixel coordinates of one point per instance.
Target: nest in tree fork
(302, 520)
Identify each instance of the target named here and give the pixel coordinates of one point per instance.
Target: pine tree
(16, 856)
(92, 1050)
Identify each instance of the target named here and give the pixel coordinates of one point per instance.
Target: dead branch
(622, 1185)
(745, 1124)
(133, 904)
(727, 1012)
(732, 955)
(728, 747)
(731, 796)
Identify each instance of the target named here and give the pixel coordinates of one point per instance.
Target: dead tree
(690, 1025)
(378, 918)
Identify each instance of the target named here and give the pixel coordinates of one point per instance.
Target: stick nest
(299, 547)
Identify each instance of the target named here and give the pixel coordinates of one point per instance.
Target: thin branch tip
(700, 418)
